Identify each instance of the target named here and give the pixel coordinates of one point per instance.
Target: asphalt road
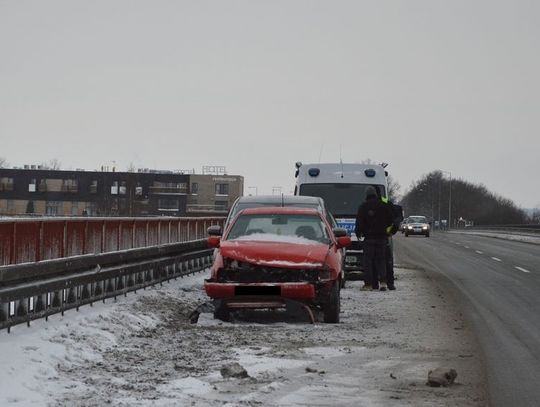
(498, 283)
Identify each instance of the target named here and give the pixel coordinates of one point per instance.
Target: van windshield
(341, 199)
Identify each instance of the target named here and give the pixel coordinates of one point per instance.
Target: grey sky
(258, 85)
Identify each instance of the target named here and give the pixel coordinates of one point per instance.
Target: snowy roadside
(142, 351)
(516, 237)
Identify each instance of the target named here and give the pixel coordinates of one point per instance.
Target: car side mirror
(339, 232)
(214, 241)
(215, 230)
(343, 241)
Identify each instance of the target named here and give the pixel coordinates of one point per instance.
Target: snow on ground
(516, 237)
(142, 351)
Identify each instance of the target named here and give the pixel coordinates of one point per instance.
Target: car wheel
(222, 313)
(332, 306)
(406, 235)
(427, 234)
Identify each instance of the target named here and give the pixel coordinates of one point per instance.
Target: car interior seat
(306, 231)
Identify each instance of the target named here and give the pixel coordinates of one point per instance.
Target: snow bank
(516, 237)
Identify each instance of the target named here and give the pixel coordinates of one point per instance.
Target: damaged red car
(273, 258)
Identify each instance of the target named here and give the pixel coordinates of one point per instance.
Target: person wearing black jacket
(397, 218)
(372, 221)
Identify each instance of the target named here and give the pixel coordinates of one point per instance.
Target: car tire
(222, 313)
(332, 306)
(406, 235)
(427, 234)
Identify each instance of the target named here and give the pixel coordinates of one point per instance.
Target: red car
(277, 257)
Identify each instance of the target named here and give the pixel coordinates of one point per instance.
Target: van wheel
(332, 306)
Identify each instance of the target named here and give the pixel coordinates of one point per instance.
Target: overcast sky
(258, 85)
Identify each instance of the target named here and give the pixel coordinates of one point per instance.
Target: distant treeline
(429, 196)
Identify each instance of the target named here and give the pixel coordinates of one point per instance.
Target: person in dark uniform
(397, 218)
(372, 221)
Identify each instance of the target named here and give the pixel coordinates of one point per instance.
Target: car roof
(279, 210)
(279, 199)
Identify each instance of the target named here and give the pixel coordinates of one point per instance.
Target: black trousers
(375, 261)
(389, 265)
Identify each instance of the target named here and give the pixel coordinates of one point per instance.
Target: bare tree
(430, 195)
(393, 188)
(3, 163)
(131, 167)
(535, 215)
(53, 164)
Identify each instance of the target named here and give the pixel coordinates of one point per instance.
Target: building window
(194, 188)
(74, 208)
(222, 189)
(42, 187)
(32, 185)
(70, 185)
(6, 184)
(168, 204)
(10, 207)
(93, 187)
(138, 189)
(53, 208)
(57, 185)
(91, 209)
(114, 188)
(168, 188)
(123, 188)
(221, 205)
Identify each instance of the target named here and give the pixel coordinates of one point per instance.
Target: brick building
(104, 193)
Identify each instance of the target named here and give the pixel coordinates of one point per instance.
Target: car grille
(267, 275)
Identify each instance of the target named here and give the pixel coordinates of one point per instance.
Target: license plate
(350, 259)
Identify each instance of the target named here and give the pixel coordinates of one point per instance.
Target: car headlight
(425, 227)
(409, 227)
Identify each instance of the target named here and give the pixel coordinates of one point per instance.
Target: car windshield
(417, 219)
(340, 199)
(280, 228)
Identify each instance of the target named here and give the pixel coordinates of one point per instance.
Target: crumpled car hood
(275, 254)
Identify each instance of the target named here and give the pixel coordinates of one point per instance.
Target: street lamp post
(276, 190)
(449, 199)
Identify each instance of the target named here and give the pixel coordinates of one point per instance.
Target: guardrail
(24, 240)
(36, 290)
(532, 228)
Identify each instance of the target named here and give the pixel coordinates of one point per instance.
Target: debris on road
(441, 377)
(235, 370)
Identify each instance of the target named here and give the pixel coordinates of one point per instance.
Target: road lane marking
(496, 259)
(466, 247)
(522, 269)
(479, 252)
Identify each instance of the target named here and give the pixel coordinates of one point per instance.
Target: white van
(343, 188)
